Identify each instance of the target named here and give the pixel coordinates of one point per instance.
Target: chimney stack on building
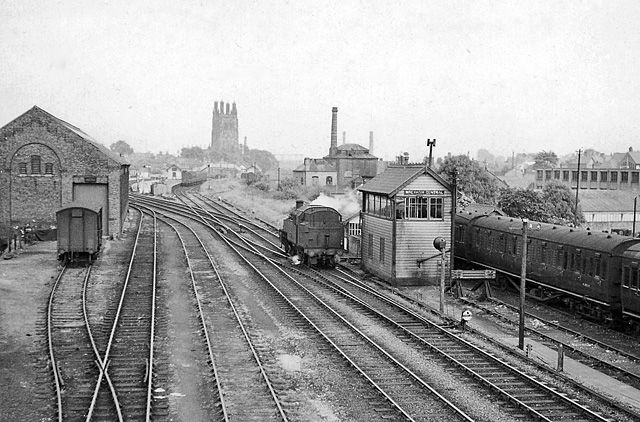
(334, 131)
(370, 142)
(344, 137)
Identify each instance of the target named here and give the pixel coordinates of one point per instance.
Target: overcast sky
(505, 76)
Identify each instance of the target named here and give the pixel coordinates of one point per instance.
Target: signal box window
(624, 177)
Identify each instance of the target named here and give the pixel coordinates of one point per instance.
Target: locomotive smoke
(347, 204)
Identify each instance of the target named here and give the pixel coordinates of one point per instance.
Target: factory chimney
(334, 131)
(371, 142)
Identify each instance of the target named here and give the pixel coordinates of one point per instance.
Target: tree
(554, 204)
(523, 203)
(121, 147)
(195, 153)
(264, 159)
(561, 203)
(546, 159)
(471, 179)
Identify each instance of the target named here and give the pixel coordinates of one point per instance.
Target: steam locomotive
(314, 233)
(595, 273)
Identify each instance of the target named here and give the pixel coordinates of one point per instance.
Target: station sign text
(424, 192)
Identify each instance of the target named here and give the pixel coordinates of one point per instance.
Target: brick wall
(25, 197)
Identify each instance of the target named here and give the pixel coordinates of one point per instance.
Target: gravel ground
(25, 282)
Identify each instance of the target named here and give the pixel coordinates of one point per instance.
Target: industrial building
(47, 163)
(350, 164)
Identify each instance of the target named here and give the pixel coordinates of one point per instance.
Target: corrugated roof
(395, 178)
(592, 200)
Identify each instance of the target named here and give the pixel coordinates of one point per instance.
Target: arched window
(329, 180)
(35, 164)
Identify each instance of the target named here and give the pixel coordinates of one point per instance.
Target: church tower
(224, 128)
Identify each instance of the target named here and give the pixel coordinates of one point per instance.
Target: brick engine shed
(47, 163)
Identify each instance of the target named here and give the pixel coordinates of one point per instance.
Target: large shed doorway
(96, 195)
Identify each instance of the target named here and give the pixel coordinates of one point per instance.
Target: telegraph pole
(523, 282)
(577, 190)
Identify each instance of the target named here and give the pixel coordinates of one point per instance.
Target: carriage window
(634, 278)
(625, 277)
(572, 262)
(565, 260)
(597, 268)
(543, 254)
(604, 268)
(590, 267)
(515, 245)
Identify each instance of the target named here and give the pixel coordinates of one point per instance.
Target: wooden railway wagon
(595, 273)
(79, 231)
(314, 233)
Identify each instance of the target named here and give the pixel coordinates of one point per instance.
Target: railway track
(425, 403)
(552, 409)
(73, 359)
(527, 393)
(560, 335)
(524, 396)
(104, 371)
(244, 391)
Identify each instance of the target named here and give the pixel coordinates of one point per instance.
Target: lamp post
(523, 281)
